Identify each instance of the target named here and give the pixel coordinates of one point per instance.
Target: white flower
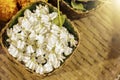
(43, 30)
(9, 32)
(14, 37)
(59, 48)
(26, 59)
(39, 38)
(20, 44)
(63, 29)
(55, 30)
(48, 67)
(32, 65)
(20, 19)
(32, 35)
(51, 42)
(44, 18)
(22, 35)
(64, 35)
(16, 28)
(39, 69)
(33, 19)
(20, 56)
(53, 15)
(28, 63)
(67, 51)
(37, 12)
(47, 25)
(25, 24)
(41, 10)
(39, 52)
(54, 61)
(27, 13)
(60, 57)
(29, 49)
(14, 43)
(44, 9)
(13, 50)
(73, 42)
(37, 28)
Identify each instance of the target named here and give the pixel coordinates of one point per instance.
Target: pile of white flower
(39, 43)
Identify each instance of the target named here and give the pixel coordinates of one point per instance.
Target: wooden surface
(97, 57)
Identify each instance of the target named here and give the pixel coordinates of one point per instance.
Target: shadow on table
(115, 46)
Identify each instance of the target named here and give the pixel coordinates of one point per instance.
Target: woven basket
(70, 12)
(13, 21)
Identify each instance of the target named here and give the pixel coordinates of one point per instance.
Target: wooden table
(97, 57)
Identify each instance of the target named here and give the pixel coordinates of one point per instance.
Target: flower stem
(58, 6)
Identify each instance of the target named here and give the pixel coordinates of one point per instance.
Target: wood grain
(97, 56)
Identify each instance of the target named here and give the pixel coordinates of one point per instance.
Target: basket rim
(81, 12)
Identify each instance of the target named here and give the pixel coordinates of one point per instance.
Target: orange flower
(7, 9)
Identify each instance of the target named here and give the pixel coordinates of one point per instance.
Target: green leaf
(78, 6)
(57, 22)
